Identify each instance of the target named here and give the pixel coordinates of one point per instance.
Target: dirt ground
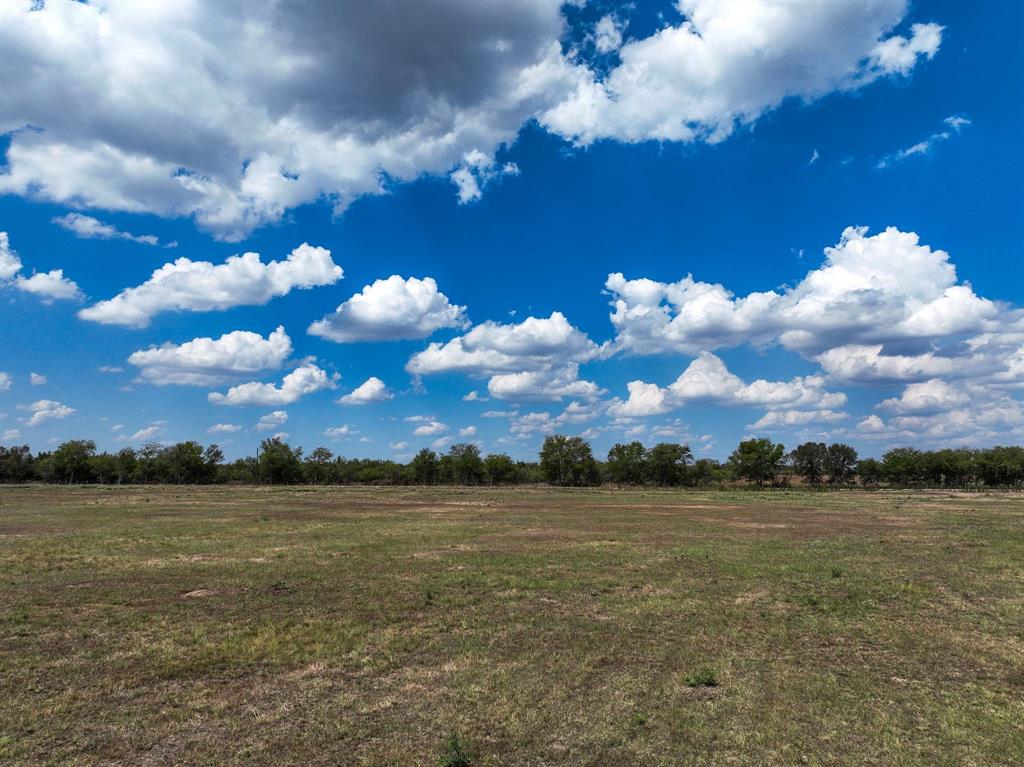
(370, 626)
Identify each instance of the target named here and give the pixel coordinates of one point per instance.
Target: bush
(454, 753)
(705, 677)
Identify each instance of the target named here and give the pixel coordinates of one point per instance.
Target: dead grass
(150, 626)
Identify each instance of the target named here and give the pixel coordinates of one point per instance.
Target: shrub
(454, 753)
(705, 677)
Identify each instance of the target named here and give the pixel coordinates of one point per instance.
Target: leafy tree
(757, 460)
(148, 460)
(71, 460)
(567, 461)
(500, 469)
(870, 471)
(16, 463)
(1001, 466)
(666, 463)
(424, 467)
(627, 463)
(903, 466)
(467, 466)
(104, 468)
(184, 462)
(809, 460)
(317, 466)
(279, 464)
(127, 464)
(706, 471)
(840, 463)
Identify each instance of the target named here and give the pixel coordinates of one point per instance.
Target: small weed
(454, 752)
(706, 677)
(837, 573)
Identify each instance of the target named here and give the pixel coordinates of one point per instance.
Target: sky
(382, 227)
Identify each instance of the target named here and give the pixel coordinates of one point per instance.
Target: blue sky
(508, 178)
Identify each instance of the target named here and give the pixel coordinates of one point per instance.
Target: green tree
(666, 463)
(567, 461)
(424, 467)
(184, 462)
(316, 469)
(903, 466)
(870, 471)
(627, 463)
(757, 460)
(500, 469)
(467, 466)
(280, 464)
(71, 460)
(840, 463)
(808, 460)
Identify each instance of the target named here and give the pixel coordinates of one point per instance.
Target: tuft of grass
(454, 752)
(705, 677)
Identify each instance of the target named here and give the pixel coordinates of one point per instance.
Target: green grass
(248, 626)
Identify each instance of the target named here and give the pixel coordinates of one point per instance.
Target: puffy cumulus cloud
(36, 379)
(45, 410)
(726, 64)
(278, 104)
(863, 363)
(224, 428)
(146, 433)
(707, 379)
(208, 361)
(271, 421)
(535, 359)
(306, 379)
(467, 431)
(871, 289)
(477, 171)
(608, 34)
(10, 435)
(556, 384)
(300, 101)
(10, 264)
(391, 310)
(49, 286)
(932, 396)
(369, 391)
(5, 381)
(201, 286)
(429, 428)
(340, 432)
(536, 343)
(89, 228)
(398, 445)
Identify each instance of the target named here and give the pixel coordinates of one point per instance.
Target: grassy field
(147, 626)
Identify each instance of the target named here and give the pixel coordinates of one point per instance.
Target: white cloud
(556, 384)
(440, 443)
(208, 361)
(870, 290)
(5, 381)
(49, 286)
(10, 264)
(306, 379)
(10, 435)
(36, 379)
(925, 146)
(707, 379)
(340, 432)
(535, 359)
(271, 421)
(46, 410)
(467, 431)
(398, 445)
(429, 429)
(224, 428)
(200, 286)
(608, 34)
(927, 397)
(110, 369)
(473, 396)
(856, 362)
(146, 433)
(89, 228)
(371, 390)
(729, 63)
(391, 310)
(304, 102)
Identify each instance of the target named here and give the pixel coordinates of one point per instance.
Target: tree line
(563, 461)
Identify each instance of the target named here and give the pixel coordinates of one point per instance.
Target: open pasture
(366, 626)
